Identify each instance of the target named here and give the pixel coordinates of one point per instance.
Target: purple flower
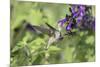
(78, 10)
(75, 14)
(62, 21)
(80, 18)
(82, 8)
(82, 13)
(74, 9)
(68, 27)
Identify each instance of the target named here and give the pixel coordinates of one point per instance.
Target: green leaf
(90, 40)
(53, 48)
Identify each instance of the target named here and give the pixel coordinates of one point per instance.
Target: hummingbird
(54, 34)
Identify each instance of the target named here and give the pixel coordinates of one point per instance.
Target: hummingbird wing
(38, 29)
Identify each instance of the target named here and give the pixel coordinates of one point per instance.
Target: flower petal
(61, 22)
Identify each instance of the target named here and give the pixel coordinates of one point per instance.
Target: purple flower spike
(79, 18)
(61, 22)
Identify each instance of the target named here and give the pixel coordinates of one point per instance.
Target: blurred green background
(28, 48)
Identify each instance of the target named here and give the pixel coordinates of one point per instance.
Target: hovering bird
(54, 34)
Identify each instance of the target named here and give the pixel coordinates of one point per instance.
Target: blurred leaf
(90, 40)
(54, 48)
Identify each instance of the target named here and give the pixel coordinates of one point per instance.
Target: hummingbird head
(57, 34)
